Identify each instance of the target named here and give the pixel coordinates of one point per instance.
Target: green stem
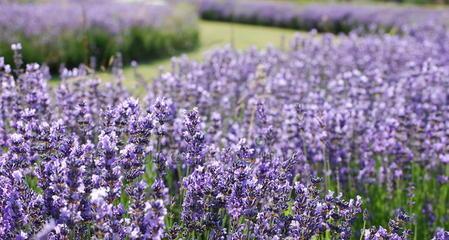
(362, 234)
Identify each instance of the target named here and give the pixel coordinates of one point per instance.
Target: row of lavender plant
(59, 32)
(92, 163)
(367, 114)
(327, 18)
(331, 139)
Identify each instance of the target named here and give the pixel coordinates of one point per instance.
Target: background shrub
(334, 18)
(70, 33)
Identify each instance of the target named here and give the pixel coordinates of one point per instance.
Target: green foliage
(32, 183)
(140, 43)
(380, 202)
(177, 33)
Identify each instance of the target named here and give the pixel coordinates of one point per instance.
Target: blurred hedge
(334, 18)
(70, 33)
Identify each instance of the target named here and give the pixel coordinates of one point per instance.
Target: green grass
(217, 34)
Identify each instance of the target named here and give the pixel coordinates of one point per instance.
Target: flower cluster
(260, 144)
(365, 113)
(75, 166)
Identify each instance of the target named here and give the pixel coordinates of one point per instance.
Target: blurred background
(147, 33)
(297, 1)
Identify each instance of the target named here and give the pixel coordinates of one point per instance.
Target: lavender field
(337, 135)
(334, 18)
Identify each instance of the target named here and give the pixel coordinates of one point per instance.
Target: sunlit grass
(212, 35)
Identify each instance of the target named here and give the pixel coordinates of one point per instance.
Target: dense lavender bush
(73, 32)
(364, 113)
(337, 137)
(87, 161)
(326, 18)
